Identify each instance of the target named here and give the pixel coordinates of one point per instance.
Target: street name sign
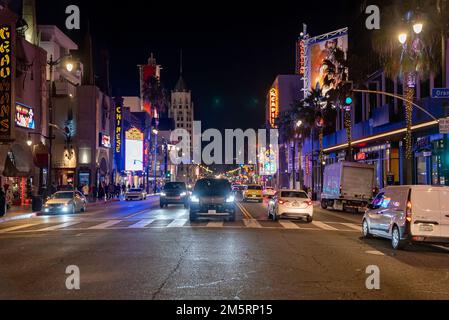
(440, 93)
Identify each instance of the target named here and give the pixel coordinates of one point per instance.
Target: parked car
(174, 193)
(212, 198)
(135, 194)
(269, 192)
(253, 192)
(291, 204)
(66, 202)
(409, 214)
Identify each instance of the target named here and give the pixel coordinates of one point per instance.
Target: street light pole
(155, 132)
(51, 63)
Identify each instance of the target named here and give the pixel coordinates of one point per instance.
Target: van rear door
(426, 212)
(444, 222)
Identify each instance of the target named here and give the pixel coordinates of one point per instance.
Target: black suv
(174, 193)
(212, 198)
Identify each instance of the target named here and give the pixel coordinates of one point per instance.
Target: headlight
(230, 199)
(163, 194)
(194, 199)
(183, 194)
(65, 208)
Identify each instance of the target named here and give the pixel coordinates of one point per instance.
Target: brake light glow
(282, 201)
(309, 203)
(408, 213)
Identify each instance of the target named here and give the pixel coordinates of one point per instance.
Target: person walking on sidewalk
(2, 202)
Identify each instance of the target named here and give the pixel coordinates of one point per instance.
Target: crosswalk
(37, 226)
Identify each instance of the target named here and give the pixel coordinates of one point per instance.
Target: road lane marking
(58, 226)
(289, 225)
(252, 224)
(323, 226)
(352, 226)
(105, 225)
(141, 224)
(215, 224)
(136, 214)
(178, 223)
(246, 212)
(242, 210)
(18, 227)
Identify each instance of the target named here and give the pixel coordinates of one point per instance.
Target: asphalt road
(135, 250)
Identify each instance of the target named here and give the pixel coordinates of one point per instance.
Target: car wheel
(73, 211)
(186, 206)
(84, 208)
(309, 219)
(274, 215)
(162, 205)
(232, 218)
(396, 241)
(193, 217)
(365, 230)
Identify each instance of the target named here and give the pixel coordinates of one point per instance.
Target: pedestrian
(53, 188)
(111, 190)
(101, 192)
(2, 202)
(123, 188)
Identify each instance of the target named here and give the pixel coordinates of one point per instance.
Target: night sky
(232, 52)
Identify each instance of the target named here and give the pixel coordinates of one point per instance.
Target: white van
(407, 214)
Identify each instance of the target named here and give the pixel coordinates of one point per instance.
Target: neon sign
(302, 57)
(274, 107)
(118, 129)
(5, 82)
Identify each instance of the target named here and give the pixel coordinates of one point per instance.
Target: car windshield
(135, 190)
(294, 194)
(175, 186)
(254, 188)
(63, 195)
(212, 187)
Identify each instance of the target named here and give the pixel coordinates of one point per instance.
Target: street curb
(19, 217)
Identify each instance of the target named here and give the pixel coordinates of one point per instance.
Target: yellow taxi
(253, 192)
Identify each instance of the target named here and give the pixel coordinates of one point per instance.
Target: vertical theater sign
(6, 83)
(274, 107)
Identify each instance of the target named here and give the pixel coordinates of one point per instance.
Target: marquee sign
(5, 82)
(301, 57)
(25, 117)
(274, 107)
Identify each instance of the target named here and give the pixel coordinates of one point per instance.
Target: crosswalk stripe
(18, 227)
(324, 226)
(352, 226)
(289, 225)
(215, 224)
(141, 224)
(59, 226)
(105, 225)
(177, 223)
(252, 224)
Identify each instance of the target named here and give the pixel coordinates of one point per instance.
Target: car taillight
(408, 212)
(309, 203)
(282, 201)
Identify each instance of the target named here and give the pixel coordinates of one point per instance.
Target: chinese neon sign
(5, 82)
(274, 107)
(118, 129)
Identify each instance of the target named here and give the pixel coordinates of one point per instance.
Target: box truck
(348, 186)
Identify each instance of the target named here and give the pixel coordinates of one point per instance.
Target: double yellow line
(245, 212)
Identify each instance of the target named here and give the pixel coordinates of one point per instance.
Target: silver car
(65, 202)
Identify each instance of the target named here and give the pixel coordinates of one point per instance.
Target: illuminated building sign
(25, 117)
(5, 82)
(118, 129)
(274, 107)
(134, 150)
(105, 140)
(302, 57)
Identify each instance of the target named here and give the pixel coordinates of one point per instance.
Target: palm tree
(416, 55)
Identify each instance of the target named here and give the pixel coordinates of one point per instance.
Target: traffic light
(348, 103)
(168, 175)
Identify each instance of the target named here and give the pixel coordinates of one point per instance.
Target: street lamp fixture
(69, 66)
(299, 124)
(402, 38)
(417, 27)
(155, 131)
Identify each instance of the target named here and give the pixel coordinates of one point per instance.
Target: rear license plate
(173, 198)
(212, 212)
(426, 227)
